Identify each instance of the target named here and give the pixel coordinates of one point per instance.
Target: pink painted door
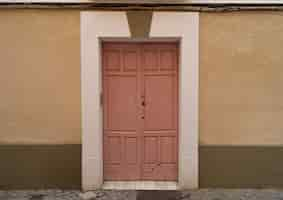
(140, 109)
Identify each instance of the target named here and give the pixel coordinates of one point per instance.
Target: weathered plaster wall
(241, 102)
(40, 77)
(241, 78)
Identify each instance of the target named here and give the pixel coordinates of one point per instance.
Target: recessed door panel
(130, 60)
(140, 104)
(160, 104)
(150, 149)
(131, 152)
(112, 60)
(121, 102)
(168, 149)
(168, 59)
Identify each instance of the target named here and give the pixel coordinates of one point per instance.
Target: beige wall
(241, 78)
(40, 77)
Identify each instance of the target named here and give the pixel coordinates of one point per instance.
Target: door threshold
(140, 185)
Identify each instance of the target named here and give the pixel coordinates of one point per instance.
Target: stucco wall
(241, 78)
(241, 102)
(40, 77)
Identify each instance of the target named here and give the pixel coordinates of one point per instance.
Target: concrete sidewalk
(203, 194)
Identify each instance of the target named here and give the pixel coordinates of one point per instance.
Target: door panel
(168, 59)
(150, 150)
(114, 156)
(150, 59)
(160, 105)
(130, 60)
(140, 90)
(121, 102)
(112, 60)
(131, 150)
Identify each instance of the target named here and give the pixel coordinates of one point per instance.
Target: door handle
(143, 103)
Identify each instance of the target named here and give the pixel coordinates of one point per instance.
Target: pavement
(202, 194)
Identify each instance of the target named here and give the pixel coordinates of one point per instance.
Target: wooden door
(140, 109)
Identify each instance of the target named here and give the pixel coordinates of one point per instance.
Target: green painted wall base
(40, 166)
(241, 166)
(59, 166)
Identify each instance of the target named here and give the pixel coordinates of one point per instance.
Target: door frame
(113, 26)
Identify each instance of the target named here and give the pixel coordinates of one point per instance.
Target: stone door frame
(97, 26)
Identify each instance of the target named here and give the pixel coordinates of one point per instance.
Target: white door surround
(97, 26)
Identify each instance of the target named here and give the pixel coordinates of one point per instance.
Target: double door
(140, 111)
